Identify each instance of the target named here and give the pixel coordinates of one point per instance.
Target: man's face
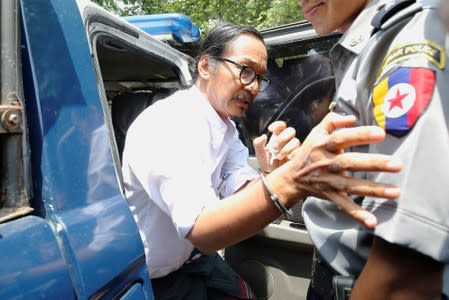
(227, 94)
(331, 15)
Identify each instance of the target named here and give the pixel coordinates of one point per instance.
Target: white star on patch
(399, 100)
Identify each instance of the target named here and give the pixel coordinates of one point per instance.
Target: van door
(76, 190)
(32, 264)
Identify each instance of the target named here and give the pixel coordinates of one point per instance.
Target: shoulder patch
(428, 50)
(401, 97)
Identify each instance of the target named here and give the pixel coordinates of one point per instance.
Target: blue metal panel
(180, 27)
(73, 169)
(68, 113)
(31, 263)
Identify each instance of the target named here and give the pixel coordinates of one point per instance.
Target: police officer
(390, 68)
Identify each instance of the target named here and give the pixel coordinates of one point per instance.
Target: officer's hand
(277, 151)
(319, 166)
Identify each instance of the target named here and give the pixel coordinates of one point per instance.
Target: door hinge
(11, 118)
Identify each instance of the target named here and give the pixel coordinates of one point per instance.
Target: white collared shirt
(179, 156)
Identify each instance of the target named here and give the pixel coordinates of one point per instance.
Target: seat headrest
(125, 109)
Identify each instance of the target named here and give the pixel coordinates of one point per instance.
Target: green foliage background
(207, 13)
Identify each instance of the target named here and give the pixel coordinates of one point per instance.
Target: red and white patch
(399, 100)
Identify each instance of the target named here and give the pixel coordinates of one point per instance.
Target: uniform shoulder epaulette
(392, 13)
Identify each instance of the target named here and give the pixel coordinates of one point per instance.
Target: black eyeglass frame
(242, 68)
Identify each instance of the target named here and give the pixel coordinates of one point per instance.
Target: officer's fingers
(333, 121)
(344, 203)
(367, 162)
(351, 185)
(378, 190)
(323, 133)
(320, 164)
(354, 136)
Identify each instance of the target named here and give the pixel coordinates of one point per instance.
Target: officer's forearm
(396, 272)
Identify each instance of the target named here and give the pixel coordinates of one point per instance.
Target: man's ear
(204, 67)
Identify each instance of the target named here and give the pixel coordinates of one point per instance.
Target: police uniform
(390, 69)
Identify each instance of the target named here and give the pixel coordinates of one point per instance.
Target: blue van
(69, 73)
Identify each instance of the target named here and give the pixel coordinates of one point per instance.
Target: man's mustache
(243, 97)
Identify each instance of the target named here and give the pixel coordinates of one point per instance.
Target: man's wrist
(274, 197)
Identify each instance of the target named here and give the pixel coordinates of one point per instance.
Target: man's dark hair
(214, 44)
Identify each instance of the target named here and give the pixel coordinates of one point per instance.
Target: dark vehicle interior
(302, 86)
(126, 69)
(132, 82)
(135, 72)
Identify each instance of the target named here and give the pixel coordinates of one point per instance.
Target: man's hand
(279, 148)
(318, 168)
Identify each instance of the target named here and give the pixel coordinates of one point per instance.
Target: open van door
(66, 231)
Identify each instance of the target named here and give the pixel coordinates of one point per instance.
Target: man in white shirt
(183, 154)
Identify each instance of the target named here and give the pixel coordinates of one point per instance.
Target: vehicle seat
(126, 107)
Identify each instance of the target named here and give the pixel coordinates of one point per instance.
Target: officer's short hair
(214, 44)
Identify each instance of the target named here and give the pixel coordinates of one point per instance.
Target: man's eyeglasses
(248, 75)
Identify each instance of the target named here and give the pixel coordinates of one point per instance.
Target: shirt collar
(213, 118)
(360, 31)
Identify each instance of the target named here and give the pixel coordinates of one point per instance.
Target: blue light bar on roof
(176, 26)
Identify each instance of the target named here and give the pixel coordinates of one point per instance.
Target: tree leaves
(207, 13)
